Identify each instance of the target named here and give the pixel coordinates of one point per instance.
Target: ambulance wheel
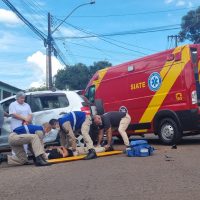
(169, 132)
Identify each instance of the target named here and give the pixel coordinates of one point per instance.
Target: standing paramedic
(109, 120)
(71, 122)
(31, 135)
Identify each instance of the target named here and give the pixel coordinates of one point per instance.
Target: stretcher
(74, 158)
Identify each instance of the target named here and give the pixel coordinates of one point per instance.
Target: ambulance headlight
(194, 97)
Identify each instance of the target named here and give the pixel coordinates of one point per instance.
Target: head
(57, 152)
(54, 124)
(97, 120)
(20, 97)
(47, 127)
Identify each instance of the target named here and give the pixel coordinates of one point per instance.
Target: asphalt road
(169, 174)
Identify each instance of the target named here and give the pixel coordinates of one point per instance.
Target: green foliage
(190, 26)
(77, 76)
(41, 88)
(97, 66)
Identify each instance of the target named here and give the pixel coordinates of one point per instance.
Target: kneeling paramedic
(74, 121)
(110, 120)
(31, 135)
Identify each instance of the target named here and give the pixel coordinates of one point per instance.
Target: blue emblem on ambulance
(154, 81)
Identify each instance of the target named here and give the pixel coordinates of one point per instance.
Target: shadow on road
(190, 140)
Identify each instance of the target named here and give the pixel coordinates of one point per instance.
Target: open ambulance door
(196, 63)
(96, 104)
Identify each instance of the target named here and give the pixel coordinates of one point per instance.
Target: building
(7, 90)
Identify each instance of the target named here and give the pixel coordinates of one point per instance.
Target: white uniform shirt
(20, 109)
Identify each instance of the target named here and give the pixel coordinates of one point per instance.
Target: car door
(6, 125)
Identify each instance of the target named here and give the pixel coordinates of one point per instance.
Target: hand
(6, 114)
(24, 122)
(62, 113)
(75, 153)
(107, 147)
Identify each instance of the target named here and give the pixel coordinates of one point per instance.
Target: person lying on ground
(31, 135)
(55, 152)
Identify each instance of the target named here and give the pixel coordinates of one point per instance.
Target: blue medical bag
(139, 148)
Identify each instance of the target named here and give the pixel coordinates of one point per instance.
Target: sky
(116, 31)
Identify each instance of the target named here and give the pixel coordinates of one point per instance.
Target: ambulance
(161, 93)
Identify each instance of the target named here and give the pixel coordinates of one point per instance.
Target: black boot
(110, 148)
(3, 158)
(91, 155)
(39, 161)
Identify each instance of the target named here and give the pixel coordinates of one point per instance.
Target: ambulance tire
(99, 106)
(169, 132)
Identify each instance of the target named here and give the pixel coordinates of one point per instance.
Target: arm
(29, 118)
(14, 114)
(6, 114)
(17, 116)
(62, 113)
(108, 129)
(109, 136)
(63, 151)
(100, 137)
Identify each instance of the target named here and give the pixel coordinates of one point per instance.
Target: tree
(97, 66)
(190, 26)
(41, 88)
(77, 76)
(73, 77)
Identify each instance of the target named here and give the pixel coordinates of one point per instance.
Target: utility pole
(49, 82)
(175, 38)
(50, 40)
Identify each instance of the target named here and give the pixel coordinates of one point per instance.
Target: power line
(32, 27)
(69, 52)
(90, 57)
(131, 14)
(59, 54)
(130, 32)
(101, 50)
(34, 14)
(91, 47)
(129, 44)
(39, 7)
(101, 38)
(121, 42)
(30, 5)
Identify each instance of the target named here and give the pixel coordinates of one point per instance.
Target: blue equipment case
(139, 148)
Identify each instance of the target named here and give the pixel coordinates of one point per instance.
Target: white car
(45, 105)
